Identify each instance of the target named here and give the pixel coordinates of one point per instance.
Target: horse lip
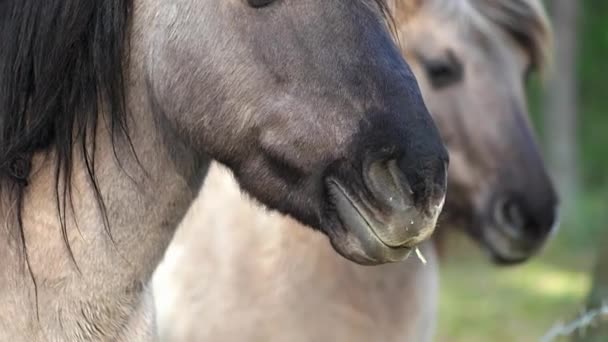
(358, 224)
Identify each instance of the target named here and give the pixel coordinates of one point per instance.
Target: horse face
(311, 105)
(474, 84)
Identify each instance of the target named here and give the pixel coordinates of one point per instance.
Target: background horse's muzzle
(519, 227)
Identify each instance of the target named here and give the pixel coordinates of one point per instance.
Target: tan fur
(256, 276)
(238, 273)
(194, 72)
(105, 298)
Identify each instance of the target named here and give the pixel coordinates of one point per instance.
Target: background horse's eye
(444, 72)
(259, 3)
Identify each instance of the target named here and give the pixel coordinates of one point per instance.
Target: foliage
(481, 302)
(593, 93)
(590, 214)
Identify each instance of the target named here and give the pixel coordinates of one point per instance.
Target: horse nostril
(518, 221)
(402, 220)
(514, 214)
(509, 215)
(427, 180)
(389, 185)
(400, 188)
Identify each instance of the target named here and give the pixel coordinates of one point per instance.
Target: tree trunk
(561, 104)
(598, 296)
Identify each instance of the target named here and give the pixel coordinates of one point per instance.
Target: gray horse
(257, 277)
(111, 111)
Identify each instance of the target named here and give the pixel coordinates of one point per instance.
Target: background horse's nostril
(509, 216)
(514, 214)
(519, 220)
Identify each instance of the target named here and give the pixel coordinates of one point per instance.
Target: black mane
(61, 65)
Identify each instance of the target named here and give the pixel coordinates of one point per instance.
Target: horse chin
(359, 243)
(365, 253)
(364, 248)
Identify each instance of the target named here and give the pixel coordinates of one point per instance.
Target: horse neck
(246, 244)
(144, 201)
(262, 265)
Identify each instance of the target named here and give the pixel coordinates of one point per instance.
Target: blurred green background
(481, 302)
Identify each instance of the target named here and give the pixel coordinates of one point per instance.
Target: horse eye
(259, 3)
(444, 72)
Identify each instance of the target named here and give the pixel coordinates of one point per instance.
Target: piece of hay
(420, 256)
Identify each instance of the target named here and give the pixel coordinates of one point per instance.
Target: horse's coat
(255, 279)
(292, 287)
(111, 111)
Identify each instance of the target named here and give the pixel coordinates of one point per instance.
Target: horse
(111, 112)
(257, 277)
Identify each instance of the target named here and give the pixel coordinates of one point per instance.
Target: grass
(481, 302)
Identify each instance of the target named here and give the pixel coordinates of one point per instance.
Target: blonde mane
(526, 21)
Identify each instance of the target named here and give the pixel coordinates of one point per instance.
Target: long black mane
(61, 65)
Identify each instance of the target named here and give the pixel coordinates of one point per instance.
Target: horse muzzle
(515, 232)
(393, 219)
